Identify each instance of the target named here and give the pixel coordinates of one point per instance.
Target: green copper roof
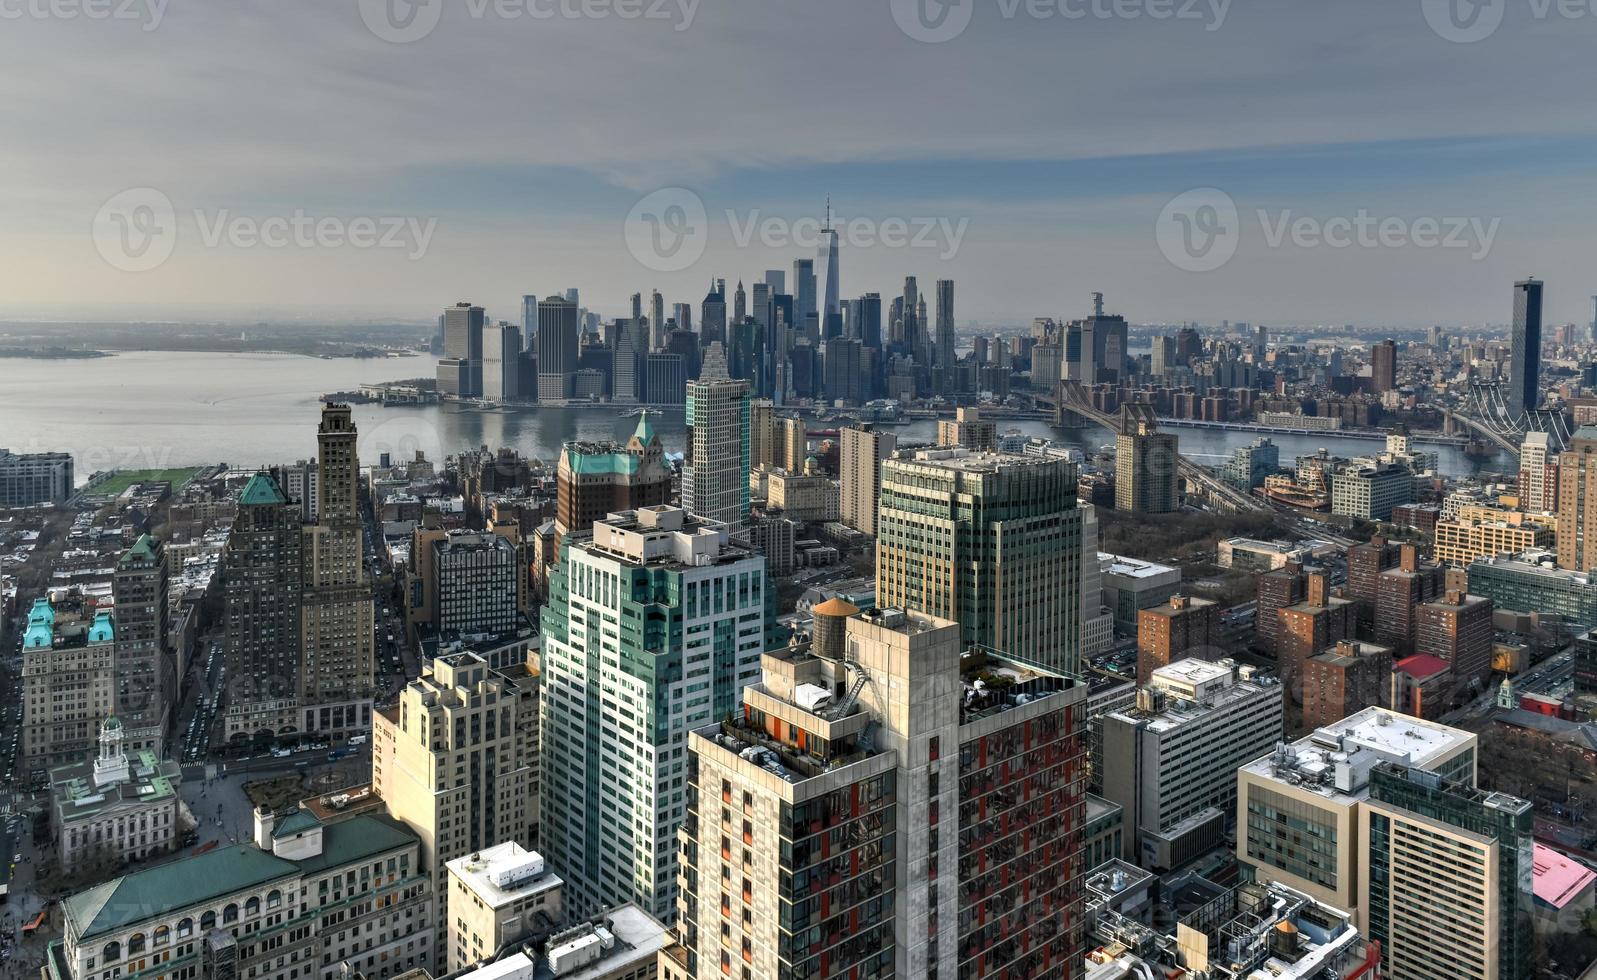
(102, 630)
(295, 823)
(1586, 432)
(143, 550)
(601, 464)
(644, 432)
(262, 490)
(41, 626)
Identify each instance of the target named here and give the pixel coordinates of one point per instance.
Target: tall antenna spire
(828, 213)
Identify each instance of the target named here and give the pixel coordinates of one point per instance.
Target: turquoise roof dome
(102, 630)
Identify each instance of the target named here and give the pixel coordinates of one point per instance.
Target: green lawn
(122, 479)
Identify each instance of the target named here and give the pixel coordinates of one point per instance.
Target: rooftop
(1335, 760)
(1133, 568)
(1421, 666)
(503, 873)
(1559, 879)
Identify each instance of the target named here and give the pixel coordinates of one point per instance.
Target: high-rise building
(1538, 474)
(1175, 753)
(1577, 502)
(529, 321)
(1457, 628)
(261, 592)
(1309, 628)
(1179, 628)
(968, 429)
(1250, 465)
(1445, 883)
(476, 584)
(990, 541)
(712, 318)
(499, 896)
(762, 433)
(596, 479)
(1145, 463)
(68, 683)
(692, 614)
(31, 479)
(501, 354)
(1523, 392)
(1273, 591)
(873, 790)
(337, 641)
(1345, 680)
(1400, 592)
(715, 468)
(1383, 366)
(557, 348)
(792, 446)
(456, 759)
(1365, 563)
(1370, 492)
(146, 674)
(860, 456)
(947, 370)
(1298, 807)
(657, 327)
(804, 307)
(460, 370)
(844, 381)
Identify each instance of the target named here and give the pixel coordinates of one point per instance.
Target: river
(159, 409)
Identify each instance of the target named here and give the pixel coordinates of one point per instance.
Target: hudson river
(158, 409)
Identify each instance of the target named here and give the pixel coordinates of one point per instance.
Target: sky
(1369, 162)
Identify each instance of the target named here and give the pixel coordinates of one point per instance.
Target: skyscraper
(557, 348)
(146, 677)
(740, 304)
(946, 368)
(804, 294)
(869, 329)
(501, 358)
(337, 644)
(529, 322)
(1525, 351)
(694, 612)
(715, 470)
(460, 369)
(861, 454)
(991, 541)
(1577, 502)
(712, 318)
(1383, 367)
(595, 479)
(656, 321)
(831, 309)
(261, 597)
(1538, 474)
(1145, 463)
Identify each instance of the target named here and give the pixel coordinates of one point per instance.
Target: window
(230, 914)
(185, 928)
(112, 952)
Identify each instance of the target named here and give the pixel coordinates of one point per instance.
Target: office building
(1250, 464)
(68, 683)
(1345, 680)
(664, 376)
(763, 450)
(557, 349)
(862, 451)
(654, 625)
(34, 479)
(460, 369)
(114, 807)
(1252, 555)
(497, 896)
(261, 591)
(1095, 619)
(1175, 753)
(968, 429)
(1577, 502)
(1445, 883)
(1298, 807)
(337, 639)
(1383, 367)
(476, 576)
(1457, 628)
(1523, 390)
(501, 360)
(1146, 481)
(946, 360)
(876, 791)
(1531, 583)
(302, 899)
(1538, 474)
(1131, 585)
(302, 483)
(1370, 492)
(809, 497)
(1460, 542)
(146, 673)
(595, 479)
(715, 467)
(844, 381)
(1180, 627)
(456, 760)
(990, 541)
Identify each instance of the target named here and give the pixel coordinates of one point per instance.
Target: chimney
(1317, 589)
(1409, 558)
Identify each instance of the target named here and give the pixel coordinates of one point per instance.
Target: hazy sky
(505, 149)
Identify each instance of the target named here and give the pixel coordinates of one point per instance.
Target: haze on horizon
(522, 143)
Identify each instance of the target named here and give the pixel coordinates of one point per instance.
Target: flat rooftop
(504, 873)
(1311, 761)
(1134, 568)
(971, 461)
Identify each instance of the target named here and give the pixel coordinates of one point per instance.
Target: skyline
(1058, 167)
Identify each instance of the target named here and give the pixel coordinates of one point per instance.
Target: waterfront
(153, 410)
